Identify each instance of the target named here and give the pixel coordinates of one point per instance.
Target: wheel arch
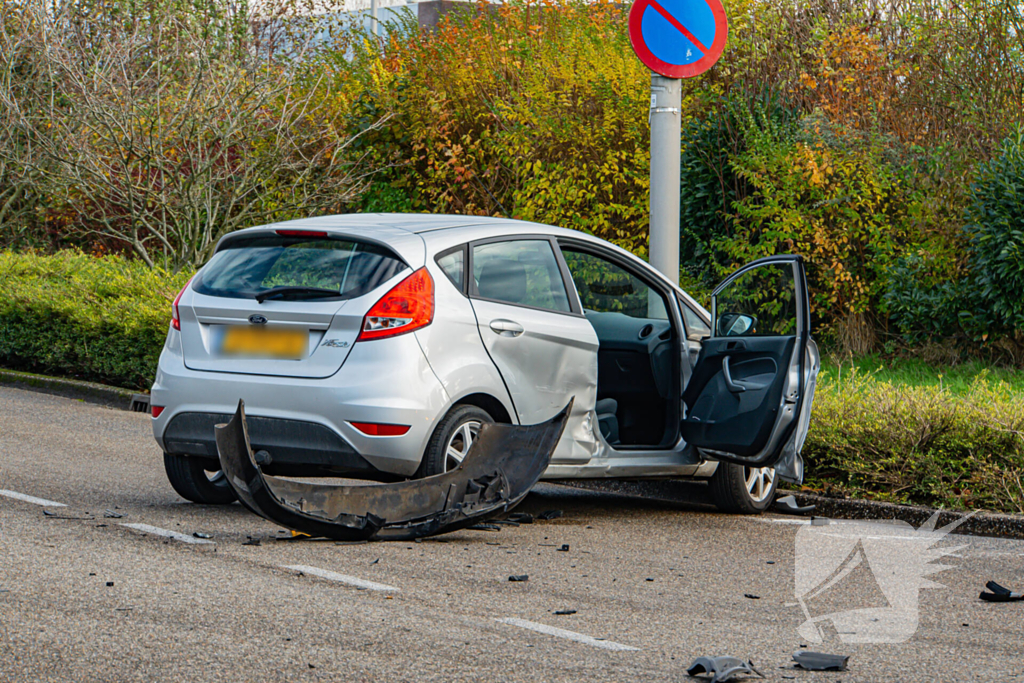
(486, 402)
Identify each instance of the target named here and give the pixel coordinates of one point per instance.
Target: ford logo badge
(257, 319)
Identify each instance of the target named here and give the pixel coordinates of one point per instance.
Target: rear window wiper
(304, 292)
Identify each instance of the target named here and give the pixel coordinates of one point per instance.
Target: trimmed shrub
(922, 444)
(74, 315)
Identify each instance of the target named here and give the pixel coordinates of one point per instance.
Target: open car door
(749, 399)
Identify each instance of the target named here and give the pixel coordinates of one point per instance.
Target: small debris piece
(1000, 594)
(650, 579)
(770, 562)
(787, 505)
(110, 514)
(818, 661)
(721, 668)
(520, 518)
(110, 584)
(251, 541)
(548, 515)
(564, 548)
(516, 578)
(819, 521)
(311, 666)
(484, 527)
(565, 611)
(375, 561)
(752, 596)
(200, 534)
(504, 522)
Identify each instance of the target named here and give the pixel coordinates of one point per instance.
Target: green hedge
(74, 315)
(105, 319)
(918, 444)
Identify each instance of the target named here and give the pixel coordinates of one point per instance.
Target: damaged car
(377, 347)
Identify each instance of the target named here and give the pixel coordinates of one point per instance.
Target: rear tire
(742, 490)
(190, 478)
(452, 439)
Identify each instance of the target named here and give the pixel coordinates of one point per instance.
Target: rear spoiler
(503, 464)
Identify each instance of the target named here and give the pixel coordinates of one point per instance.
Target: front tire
(451, 441)
(743, 490)
(193, 481)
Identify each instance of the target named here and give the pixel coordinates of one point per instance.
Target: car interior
(638, 360)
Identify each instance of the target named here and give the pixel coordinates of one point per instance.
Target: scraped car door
(749, 399)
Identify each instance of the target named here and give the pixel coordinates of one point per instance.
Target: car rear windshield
(244, 268)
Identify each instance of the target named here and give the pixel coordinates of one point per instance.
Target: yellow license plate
(262, 342)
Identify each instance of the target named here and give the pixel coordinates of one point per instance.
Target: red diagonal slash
(679, 27)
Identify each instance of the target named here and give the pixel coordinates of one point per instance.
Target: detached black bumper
(296, 448)
(503, 464)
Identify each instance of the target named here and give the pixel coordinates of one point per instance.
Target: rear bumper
(305, 424)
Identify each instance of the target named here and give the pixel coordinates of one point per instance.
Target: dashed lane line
(340, 578)
(568, 635)
(31, 499)
(167, 533)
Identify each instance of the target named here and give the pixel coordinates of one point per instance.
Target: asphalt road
(85, 598)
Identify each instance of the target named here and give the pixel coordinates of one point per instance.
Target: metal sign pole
(373, 17)
(666, 102)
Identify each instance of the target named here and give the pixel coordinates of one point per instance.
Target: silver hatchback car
(375, 346)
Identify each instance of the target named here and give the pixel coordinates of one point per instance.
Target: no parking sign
(678, 38)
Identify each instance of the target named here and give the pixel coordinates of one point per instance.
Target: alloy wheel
(459, 443)
(760, 481)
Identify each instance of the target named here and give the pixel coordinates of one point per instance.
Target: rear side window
(244, 268)
(522, 272)
(453, 263)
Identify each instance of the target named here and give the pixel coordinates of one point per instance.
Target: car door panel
(750, 395)
(544, 356)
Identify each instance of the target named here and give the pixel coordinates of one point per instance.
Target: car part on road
(518, 578)
(503, 464)
(787, 505)
(565, 612)
(1000, 594)
(722, 668)
(520, 518)
(249, 540)
(548, 515)
(818, 661)
(198, 479)
(742, 490)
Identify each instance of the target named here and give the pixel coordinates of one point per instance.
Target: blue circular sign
(678, 38)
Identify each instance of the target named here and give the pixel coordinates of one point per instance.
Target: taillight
(407, 307)
(156, 410)
(374, 429)
(175, 319)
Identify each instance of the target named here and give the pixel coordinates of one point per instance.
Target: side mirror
(735, 324)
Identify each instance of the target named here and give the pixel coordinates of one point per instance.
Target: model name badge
(257, 319)
(336, 343)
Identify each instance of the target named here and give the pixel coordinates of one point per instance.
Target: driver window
(759, 303)
(604, 287)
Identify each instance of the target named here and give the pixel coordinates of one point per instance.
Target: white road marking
(166, 533)
(31, 499)
(568, 635)
(340, 578)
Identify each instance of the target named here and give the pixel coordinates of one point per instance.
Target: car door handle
(731, 385)
(507, 328)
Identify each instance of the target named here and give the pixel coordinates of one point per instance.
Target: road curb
(981, 524)
(92, 392)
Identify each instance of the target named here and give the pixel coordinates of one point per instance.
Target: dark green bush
(74, 315)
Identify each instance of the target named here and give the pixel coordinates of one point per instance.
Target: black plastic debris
(251, 541)
(484, 527)
(752, 596)
(110, 514)
(564, 548)
(516, 578)
(110, 584)
(200, 534)
(548, 515)
(818, 661)
(520, 518)
(787, 505)
(722, 668)
(375, 561)
(1000, 594)
(565, 611)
